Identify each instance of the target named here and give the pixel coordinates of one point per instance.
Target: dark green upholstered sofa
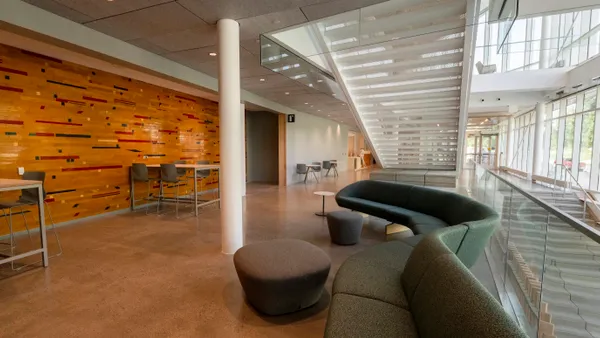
(391, 290)
(424, 210)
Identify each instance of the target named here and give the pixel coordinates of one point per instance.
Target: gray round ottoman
(345, 227)
(283, 275)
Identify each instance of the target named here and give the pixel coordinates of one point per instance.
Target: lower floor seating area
(163, 276)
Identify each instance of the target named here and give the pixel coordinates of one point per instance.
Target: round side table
(323, 194)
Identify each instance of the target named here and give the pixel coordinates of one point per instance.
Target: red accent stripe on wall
(134, 141)
(11, 122)
(94, 99)
(71, 101)
(11, 89)
(141, 116)
(48, 200)
(124, 132)
(62, 123)
(93, 168)
(190, 116)
(43, 134)
(106, 194)
(75, 157)
(185, 98)
(125, 102)
(167, 131)
(14, 71)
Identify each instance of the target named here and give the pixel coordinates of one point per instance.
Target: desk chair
(169, 174)
(139, 173)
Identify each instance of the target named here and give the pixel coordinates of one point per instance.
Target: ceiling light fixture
(287, 93)
(262, 80)
(318, 109)
(212, 54)
(319, 80)
(305, 102)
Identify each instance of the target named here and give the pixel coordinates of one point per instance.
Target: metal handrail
(586, 193)
(589, 231)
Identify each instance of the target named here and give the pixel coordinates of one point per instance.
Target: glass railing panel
(571, 283)
(546, 262)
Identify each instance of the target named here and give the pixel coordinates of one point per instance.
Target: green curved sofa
(424, 210)
(391, 290)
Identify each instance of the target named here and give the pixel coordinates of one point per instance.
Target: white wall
(311, 139)
(583, 74)
(536, 7)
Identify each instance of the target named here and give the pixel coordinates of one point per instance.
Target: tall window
(559, 40)
(573, 138)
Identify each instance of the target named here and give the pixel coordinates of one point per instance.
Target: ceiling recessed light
(318, 109)
(328, 115)
(343, 104)
(333, 94)
(305, 102)
(287, 93)
(319, 80)
(262, 80)
(310, 84)
(212, 54)
(312, 106)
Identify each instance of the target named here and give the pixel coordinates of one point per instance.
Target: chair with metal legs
(29, 197)
(169, 174)
(334, 167)
(317, 169)
(203, 173)
(327, 165)
(139, 173)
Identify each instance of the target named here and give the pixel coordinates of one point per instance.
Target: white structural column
(538, 139)
(509, 141)
(230, 122)
(243, 140)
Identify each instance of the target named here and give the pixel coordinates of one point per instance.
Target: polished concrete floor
(138, 276)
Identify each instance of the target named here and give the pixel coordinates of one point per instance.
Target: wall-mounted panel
(85, 127)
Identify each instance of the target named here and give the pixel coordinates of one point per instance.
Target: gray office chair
(302, 169)
(180, 172)
(318, 169)
(29, 197)
(139, 173)
(334, 167)
(169, 174)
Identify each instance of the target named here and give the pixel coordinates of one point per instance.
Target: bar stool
(169, 174)
(203, 173)
(139, 173)
(29, 197)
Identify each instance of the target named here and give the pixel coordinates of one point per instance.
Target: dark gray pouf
(282, 275)
(345, 227)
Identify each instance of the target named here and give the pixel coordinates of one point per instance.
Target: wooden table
(12, 185)
(195, 167)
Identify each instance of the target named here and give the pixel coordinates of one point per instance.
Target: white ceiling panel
(199, 36)
(251, 28)
(251, 45)
(151, 21)
(58, 9)
(213, 10)
(322, 10)
(101, 8)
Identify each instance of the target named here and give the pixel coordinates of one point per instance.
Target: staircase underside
(400, 64)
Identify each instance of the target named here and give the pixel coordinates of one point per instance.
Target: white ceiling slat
(392, 88)
(387, 50)
(448, 26)
(400, 64)
(408, 75)
(439, 121)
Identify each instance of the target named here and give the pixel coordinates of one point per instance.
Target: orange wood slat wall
(85, 127)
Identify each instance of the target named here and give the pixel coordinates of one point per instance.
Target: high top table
(12, 185)
(195, 167)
